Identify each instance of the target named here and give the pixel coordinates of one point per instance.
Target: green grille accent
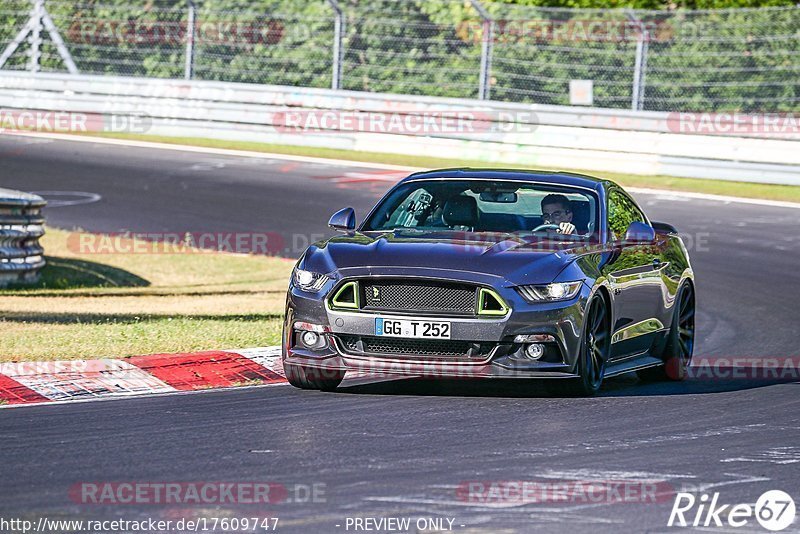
(490, 303)
(346, 296)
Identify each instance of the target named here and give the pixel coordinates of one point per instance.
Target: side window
(621, 213)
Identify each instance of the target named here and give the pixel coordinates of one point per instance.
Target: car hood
(517, 260)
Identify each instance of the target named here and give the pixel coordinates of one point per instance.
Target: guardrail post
(39, 16)
(188, 69)
(640, 64)
(487, 42)
(35, 37)
(338, 44)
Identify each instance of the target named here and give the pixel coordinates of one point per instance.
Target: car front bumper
(560, 322)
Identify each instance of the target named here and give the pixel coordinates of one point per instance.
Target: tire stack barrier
(21, 227)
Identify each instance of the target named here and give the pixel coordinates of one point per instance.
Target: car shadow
(622, 386)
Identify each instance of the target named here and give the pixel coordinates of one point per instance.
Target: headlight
(550, 292)
(309, 281)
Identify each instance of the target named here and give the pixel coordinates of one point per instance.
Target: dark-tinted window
(622, 211)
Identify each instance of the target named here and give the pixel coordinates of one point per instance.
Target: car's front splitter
(424, 368)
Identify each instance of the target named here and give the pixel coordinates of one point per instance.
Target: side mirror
(639, 232)
(664, 228)
(343, 220)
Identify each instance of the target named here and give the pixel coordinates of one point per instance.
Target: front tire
(595, 348)
(312, 377)
(678, 351)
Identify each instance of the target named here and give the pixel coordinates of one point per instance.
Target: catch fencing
(715, 60)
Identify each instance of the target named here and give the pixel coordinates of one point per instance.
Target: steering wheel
(546, 227)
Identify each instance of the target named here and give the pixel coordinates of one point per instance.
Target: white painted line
(58, 199)
(775, 455)
(717, 198)
(362, 164)
(607, 475)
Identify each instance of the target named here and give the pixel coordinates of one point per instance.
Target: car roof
(549, 177)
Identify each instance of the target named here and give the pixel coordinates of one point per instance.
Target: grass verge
(786, 193)
(118, 305)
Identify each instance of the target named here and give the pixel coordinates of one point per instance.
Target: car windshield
(487, 206)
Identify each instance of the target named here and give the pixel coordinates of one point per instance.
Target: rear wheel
(595, 349)
(678, 351)
(312, 377)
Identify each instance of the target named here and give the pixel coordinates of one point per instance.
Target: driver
(556, 210)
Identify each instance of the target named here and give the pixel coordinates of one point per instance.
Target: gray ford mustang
(473, 273)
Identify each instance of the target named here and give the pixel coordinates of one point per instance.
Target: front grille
(428, 348)
(413, 296)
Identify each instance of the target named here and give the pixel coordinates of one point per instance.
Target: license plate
(412, 328)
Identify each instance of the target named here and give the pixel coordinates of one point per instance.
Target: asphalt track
(403, 448)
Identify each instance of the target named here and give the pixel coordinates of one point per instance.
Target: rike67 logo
(774, 510)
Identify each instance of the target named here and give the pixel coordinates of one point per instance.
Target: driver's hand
(566, 228)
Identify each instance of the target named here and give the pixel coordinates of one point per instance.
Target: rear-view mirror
(502, 197)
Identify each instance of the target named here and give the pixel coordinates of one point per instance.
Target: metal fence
(746, 60)
(21, 226)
